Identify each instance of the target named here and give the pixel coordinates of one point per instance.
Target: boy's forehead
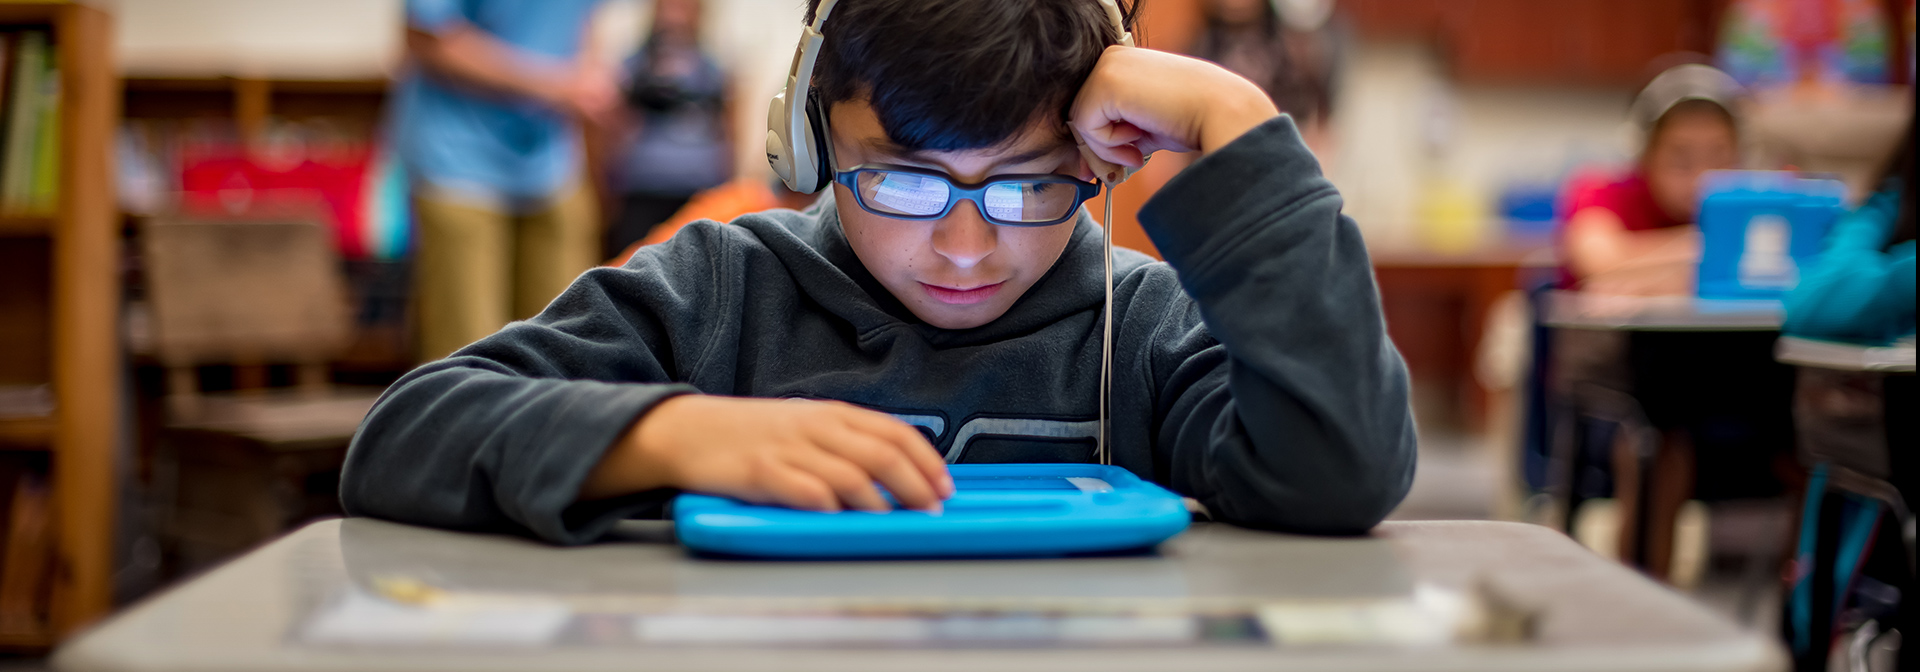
(1042, 139)
(1014, 152)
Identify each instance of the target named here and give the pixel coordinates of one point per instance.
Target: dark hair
(1900, 169)
(960, 74)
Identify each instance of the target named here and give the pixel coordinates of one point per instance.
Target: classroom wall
(361, 39)
(1402, 127)
(319, 39)
(1399, 120)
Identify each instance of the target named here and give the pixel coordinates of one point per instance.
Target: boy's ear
(1083, 170)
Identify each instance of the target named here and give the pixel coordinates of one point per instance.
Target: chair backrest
(244, 291)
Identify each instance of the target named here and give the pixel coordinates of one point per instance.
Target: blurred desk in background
(1854, 429)
(1436, 306)
(361, 594)
(1632, 380)
(1897, 358)
(1579, 310)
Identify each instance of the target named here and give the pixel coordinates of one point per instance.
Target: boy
(1258, 379)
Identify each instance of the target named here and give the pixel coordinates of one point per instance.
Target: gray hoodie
(1252, 372)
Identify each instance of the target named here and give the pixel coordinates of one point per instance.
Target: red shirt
(1627, 197)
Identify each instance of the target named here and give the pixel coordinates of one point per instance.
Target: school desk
(1853, 426)
(361, 594)
(1593, 340)
(1580, 310)
(1836, 356)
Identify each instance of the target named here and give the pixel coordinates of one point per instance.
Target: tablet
(997, 510)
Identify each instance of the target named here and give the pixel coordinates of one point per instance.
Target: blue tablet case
(997, 510)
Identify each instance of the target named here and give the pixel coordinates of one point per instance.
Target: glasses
(902, 192)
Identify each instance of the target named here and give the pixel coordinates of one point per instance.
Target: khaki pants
(480, 265)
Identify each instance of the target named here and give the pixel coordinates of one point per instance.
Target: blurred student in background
(1862, 289)
(676, 139)
(1285, 46)
(1635, 234)
(485, 118)
(1721, 405)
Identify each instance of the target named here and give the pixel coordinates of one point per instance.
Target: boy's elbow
(1348, 504)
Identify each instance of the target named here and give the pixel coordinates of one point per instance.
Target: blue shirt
(461, 138)
(1857, 291)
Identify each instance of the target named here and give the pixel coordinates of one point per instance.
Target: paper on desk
(401, 613)
(361, 618)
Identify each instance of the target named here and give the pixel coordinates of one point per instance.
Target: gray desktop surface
(1591, 614)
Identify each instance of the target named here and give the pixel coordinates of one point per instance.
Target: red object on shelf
(228, 180)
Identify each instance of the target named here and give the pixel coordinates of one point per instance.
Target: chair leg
(312, 379)
(249, 378)
(183, 392)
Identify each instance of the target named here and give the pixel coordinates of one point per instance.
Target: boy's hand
(823, 456)
(1139, 101)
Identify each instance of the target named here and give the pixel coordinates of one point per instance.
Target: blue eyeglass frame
(957, 192)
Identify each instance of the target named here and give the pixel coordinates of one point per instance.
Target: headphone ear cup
(817, 124)
(779, 147)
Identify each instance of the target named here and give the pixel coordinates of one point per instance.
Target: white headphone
(796, 126)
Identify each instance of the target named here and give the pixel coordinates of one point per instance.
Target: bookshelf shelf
(26, 433)
(30, 641)
(14, 226)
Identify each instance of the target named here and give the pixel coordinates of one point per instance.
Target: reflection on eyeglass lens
(913, 195)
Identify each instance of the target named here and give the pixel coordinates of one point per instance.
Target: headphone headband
(796, 127)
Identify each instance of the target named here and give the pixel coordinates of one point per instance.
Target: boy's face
(1687, 146)
(960, 271)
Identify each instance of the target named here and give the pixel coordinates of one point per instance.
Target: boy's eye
(905, 193)
(1028, 201)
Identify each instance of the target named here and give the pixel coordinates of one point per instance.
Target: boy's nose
(964, 237)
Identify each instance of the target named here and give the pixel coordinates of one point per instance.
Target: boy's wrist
(640, 460)
(650, 446)
(1232, 116)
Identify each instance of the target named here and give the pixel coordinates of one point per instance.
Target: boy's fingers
(1110, 142)
(886, 463)
(1121, 155)
(793, 487)
(910, 443)
(850, 484)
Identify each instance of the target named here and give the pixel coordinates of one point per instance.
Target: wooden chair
(250, 464)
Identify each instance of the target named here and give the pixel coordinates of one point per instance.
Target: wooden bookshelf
(63, 285)
(251, 102)
(16, 226)
(26, 433)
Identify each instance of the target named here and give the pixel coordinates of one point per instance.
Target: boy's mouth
(960, 297)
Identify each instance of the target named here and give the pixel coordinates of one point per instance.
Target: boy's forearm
(1315, 432)
(462, 445)
(471, 56)
(636, 461)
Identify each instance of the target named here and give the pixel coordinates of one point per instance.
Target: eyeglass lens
(910, 195)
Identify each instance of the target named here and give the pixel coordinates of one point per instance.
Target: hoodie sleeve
(1857, 291)
(501, 435)
(1296, 417)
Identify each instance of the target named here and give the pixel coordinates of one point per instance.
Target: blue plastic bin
(997, 510)
(1760, 228)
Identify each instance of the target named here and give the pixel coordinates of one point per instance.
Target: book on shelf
(27, 558)
(25, 401)
(29, 151)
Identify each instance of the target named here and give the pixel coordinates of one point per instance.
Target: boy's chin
(958, 317)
